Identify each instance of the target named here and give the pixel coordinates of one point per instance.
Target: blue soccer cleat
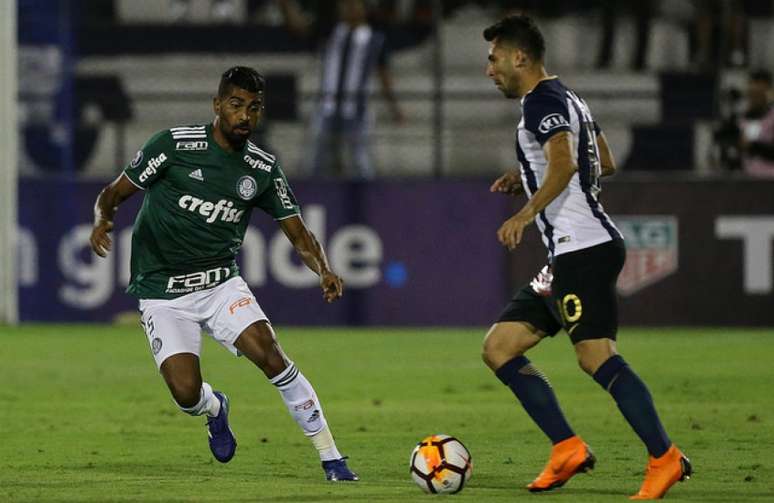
(222, 441)
(337, 470)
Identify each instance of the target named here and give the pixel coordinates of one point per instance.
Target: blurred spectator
(341, 123)
(757, 127)
(642, 11)
(745, 138)
(221, 11)
(720, 33)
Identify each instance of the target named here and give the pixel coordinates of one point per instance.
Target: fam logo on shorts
(651, 250)
(137, 159)
(156, 345)
(247, 187)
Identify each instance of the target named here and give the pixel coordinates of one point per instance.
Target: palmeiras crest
(246, 187)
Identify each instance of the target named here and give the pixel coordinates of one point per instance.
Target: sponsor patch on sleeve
(137, 159)
(551, 122)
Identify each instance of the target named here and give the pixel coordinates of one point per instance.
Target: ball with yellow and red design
(440, 464)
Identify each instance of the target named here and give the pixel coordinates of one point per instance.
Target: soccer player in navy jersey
(563, 153)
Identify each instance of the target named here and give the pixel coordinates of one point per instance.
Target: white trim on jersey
(252, 148)
(188, 132)
(133, 182)
(289, 216)
(575, 219)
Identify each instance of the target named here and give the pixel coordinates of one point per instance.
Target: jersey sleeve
(545, 115)
(151, 161)
(278, 199)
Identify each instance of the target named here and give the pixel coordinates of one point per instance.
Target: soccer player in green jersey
(201, 184)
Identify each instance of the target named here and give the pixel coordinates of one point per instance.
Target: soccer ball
(440, 464)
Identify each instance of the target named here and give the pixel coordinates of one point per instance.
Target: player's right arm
(606, 159)
(144, 170)
(104, 212)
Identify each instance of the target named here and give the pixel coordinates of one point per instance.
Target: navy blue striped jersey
(351, 55)
(575, 219)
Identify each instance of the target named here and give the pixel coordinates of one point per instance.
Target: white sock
(325, 445)
(304, 406)
(208, 403)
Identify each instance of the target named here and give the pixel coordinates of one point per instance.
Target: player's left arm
(606, 159)
(560, 170)
(313, 255)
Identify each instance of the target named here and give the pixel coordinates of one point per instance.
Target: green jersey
(197, 205)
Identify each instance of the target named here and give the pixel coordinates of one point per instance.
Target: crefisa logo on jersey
(246, 187)
(152, 167)
(137, 159)
(651, 250)
(552, 121)
(257, 164)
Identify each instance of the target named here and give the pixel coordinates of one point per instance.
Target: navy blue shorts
(583, 298)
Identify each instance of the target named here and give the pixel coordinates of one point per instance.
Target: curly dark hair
(242, 77)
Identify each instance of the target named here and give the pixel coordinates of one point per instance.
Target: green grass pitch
(85, 417)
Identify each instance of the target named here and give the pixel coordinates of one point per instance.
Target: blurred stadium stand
(91, 95)
(162, 72)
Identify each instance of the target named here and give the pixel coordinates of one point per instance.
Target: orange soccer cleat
(662, 473)
(568, 457)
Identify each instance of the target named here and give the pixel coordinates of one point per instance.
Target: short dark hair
(520, 31)
(762, 75)
(242, 77)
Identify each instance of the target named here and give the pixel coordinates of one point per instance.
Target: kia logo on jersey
(552, 121)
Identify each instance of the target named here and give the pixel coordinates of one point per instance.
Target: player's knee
(490, 350)
(500, 347)
(186, 392)
(259, 344)
(185, 398)
(586, 364)
(593, 353)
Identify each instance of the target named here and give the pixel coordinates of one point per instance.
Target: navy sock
(635, 402)
(536, 396)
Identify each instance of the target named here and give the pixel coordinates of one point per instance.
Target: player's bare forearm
(557, 179)
(313, 255)
(105, 208)
(305, 243)
(606, 159)
(560, 170)
(111, 196)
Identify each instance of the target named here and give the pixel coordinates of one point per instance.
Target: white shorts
(175, 326)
